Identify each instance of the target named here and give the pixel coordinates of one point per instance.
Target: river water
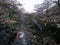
(22, 39)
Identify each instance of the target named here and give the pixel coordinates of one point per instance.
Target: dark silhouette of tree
(8, 21)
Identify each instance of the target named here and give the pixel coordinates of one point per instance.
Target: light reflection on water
(22, 38)
(21, 34)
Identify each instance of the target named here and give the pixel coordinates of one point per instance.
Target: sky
(28, 5)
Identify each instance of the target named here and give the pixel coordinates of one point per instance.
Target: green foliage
(8, 14)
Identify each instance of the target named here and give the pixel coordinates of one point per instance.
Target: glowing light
(29, 4)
